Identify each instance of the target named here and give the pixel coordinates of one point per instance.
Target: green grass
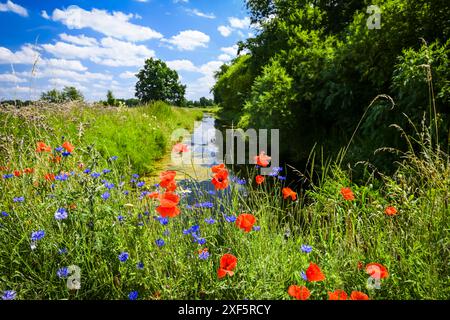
(413, 245)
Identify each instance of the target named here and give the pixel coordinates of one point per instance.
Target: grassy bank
(100, 218)
(139, 137)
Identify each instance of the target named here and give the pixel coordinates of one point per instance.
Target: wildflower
(49, 177)
(390, 211)
(42, 147)
(337, 295)
(66, 154)
(120, 218)
(37, 235)
(239, 181)
(140, 265)
(245, 221)
(126, 192)
(227, 264)
(259, 179)
(4, 214)
(218, 168)
(306, 249)
(106, 196)
(313, 273)
(358, 295)
(203, 254)
(62, 251)
(68, 146)
(123, 256)
(113, 158)
(28, 170)
(140, 184)
(105, 171)
(109, 186)
(62, 273)
(262, 160)
(19, 199)
(166, 233)
(55, 159)
(208, 205)
(360, 265)
(168, 205)
(377, 271)
(192, 230)
(281, 177)
(62, 177)
(159, 242)
(135, 176)
(17, 173)
(153, 195)
(256, 228)
(61, 214)
(347, 194)
(180, 148)
(220, 180)
(299, 292)
(230, 219)
(163, 221)
(87, 171)
(303, 275)
(288, 192)
(200, 241)
(9, 295)
(8, 176)
(95, 175)
(168, 180)
(210, 221)
(133, 295)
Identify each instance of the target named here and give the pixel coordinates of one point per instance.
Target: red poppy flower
(337, 295)
(167, 178)
(390, 211)
(42, 147)
(220, 179)
(227, 264)
(358, 295)
(347, 194)
(180, 148)
(55, 159)
(49, 177)
(17, 173)
(218, 168)
(313, 273)
(377, 271)
(28, 170)
(68, 146)
(262, 160)
(72, 206)
(299, 292)
(259, 179)
(288, 192)
(168, 205)
(153, 195)
(171, 186)
(245, 221)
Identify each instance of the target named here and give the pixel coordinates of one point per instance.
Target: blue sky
(100, 45)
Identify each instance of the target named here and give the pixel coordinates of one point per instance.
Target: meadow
(75, 205)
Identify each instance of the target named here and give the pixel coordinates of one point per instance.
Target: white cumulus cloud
(12, 7)
(189, 40)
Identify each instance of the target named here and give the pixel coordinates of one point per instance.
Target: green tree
(157, 82)
(71, 94)
(110, 99)
(52, 96)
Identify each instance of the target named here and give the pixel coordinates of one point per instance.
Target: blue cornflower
(8, 176)
(159, 242)
(201, 241)
(212, 192)
(230, 219)
(87, 171)
(37, 235)
(191, 230)
(120, 218)
(126, 192)
(306, 249)
(9, 295)
(109, 185)
(303, 275)
(189, 207)
(166, 233)
(204, 205)
(146, 213)
(113, 158)
(256, 228)
(133, 295)
(163, 221)
(239, 181)
(59, 149)
(66, 154)
(62, 273)
(135, 176)
(95, 175)
(106, 196)
(61, 214)
(19, 199)
(203, 255)
(156, 185)
(281, 177)
(210, 221)
(277, 169)
(123, 256)
(4, 214)
(62, 251)
(140, 265)
(105, 171)
(140, 184)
